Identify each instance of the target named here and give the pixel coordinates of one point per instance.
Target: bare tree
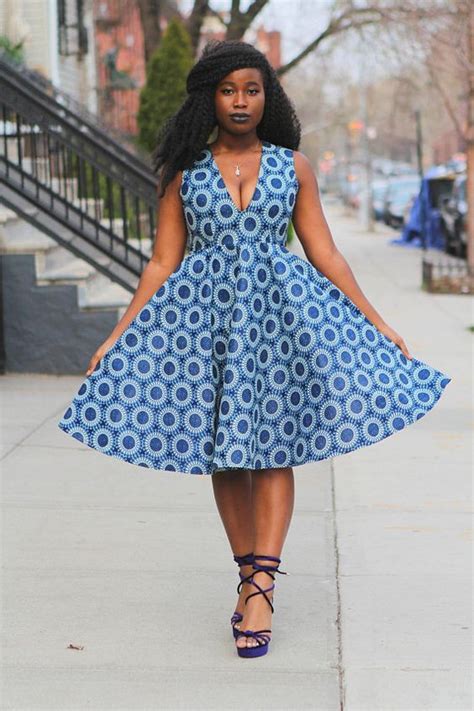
(345, 16)
(195, 21)
(151, 12)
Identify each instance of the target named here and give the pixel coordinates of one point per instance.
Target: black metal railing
(101, 198)
(93, 120)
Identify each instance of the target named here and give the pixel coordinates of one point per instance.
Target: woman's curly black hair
(186, 133)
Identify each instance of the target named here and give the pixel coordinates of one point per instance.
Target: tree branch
(342, 23)
(357, 17)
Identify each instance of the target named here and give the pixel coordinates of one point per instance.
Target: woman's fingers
(402, 345)
(100, 352)
(395, 338)
(93, 362)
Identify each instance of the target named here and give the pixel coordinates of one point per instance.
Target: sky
(299, 21)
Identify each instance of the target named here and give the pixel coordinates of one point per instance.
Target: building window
(72, 33)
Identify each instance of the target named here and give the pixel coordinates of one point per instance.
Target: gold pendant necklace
(237, 165)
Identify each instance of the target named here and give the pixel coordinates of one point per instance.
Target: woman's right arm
(168, 251)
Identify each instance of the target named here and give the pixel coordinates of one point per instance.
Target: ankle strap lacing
(268, 568)
(246, 559)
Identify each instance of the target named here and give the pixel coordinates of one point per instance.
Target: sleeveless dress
(247, 356)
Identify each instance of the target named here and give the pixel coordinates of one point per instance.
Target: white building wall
(28, 20)
(77, 76)
(37, 21)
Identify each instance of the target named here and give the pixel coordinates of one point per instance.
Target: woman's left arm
(315, 236)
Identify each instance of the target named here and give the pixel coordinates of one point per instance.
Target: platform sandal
(237, 616)
(261, 636)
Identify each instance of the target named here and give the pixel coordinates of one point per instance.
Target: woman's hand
(100, 352)
(396, 338)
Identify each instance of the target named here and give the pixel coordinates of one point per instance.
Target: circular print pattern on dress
(247, 356)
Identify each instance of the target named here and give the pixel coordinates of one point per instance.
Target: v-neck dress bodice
(247, 356)
(213, 219)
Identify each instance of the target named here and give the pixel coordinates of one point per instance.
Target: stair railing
(81, 186)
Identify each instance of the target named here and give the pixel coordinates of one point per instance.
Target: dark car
(453, 209)
(398, 196)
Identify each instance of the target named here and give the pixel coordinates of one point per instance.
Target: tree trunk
(150, 13)
(470, 140)
(195, 22)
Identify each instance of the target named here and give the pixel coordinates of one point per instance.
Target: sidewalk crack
(340, 663)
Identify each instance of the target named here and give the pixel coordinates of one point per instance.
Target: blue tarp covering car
(425, 216)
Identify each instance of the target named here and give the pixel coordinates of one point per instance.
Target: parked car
(453, 209)
(401, 191)
(379, 188)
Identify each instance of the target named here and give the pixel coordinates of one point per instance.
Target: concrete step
(100, 291)
(102, 294)
(74, 270)
(56, 265)
(18, 236)
(58, 258)
(95, 290)
(6, 214)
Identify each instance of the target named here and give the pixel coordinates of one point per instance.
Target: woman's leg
(233, 495)
(272, 509)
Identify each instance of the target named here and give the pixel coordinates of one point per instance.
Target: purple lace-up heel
(261, 636)
(237, 617)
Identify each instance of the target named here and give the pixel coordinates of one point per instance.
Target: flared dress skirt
(247, 356)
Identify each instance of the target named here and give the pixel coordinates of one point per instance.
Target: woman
(242, 360)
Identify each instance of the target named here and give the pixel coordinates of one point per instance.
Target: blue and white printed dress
(247, 356)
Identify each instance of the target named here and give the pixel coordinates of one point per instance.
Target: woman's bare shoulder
(302, 161)
(303, 167)
(175, 183)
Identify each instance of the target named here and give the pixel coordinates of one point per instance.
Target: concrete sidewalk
(134, 564)
(403, 508)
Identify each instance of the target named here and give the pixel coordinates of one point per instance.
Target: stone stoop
(57, 308)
